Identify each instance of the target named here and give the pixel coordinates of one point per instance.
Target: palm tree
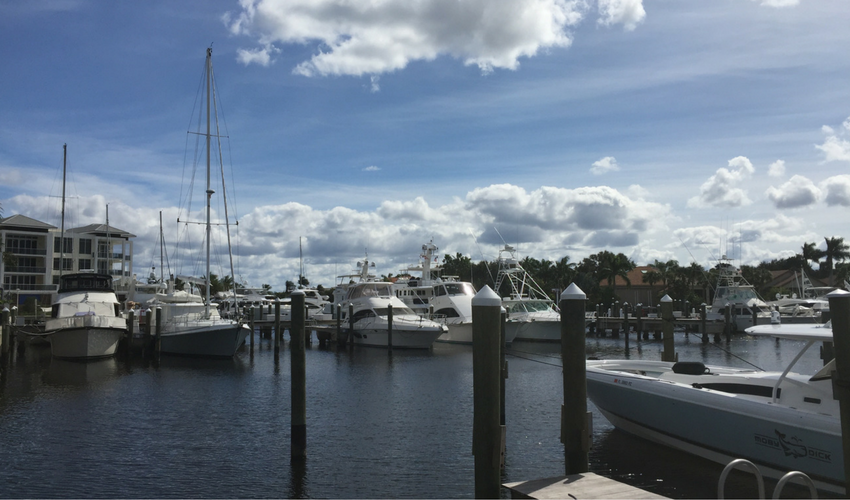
(836, 251)
(612, 266)
(811, 253)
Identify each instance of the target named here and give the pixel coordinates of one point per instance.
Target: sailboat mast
(161, 245)
(62, 234)
(209, 190)
(108, 242)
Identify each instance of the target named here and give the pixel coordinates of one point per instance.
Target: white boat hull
(461, 333)
(86, 341)
(218, 339)
(534, 330)
(719, 426)
(407, 334)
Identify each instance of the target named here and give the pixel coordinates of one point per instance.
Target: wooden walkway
(578, 486)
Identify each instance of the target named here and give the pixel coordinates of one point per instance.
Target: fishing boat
(780, 421)
(190, 327)
(531, 314)
(369, 301)
(85, 322)
(443, 299)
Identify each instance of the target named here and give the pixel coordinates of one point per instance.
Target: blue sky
(660, 129)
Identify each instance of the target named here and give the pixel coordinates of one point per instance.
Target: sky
(661, 129)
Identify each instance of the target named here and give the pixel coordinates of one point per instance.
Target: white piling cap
(297, 292)
(573, 292)
(486, 297)
(666, 298)
(837, 293)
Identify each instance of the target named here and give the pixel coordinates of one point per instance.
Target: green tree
(836, 251)
(458, 265)
(810, 253)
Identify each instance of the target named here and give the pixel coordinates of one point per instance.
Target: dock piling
(277, 333)
(575, 428)
(158, 319)
(390, 328)
(298, 371)
(668, 354)
(486, 374)
(839, 308)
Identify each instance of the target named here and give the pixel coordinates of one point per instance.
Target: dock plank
(579, 486)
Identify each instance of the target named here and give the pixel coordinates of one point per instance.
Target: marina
(379, 424)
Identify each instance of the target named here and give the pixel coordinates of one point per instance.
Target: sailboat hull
(217, 339)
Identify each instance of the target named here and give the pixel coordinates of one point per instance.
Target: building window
(85, 247)
(69, 245)
(85, 264)
(68, 264)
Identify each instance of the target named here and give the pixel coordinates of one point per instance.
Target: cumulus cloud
(605, 165)
(776, 169)
(835, 147)
(798, 192)
(261, 55)
(371, 168)
(629, 13)
(362, 37)
(721, 189)
(837, 190)
(11, 177)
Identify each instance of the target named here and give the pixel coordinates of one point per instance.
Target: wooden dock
(578, 486)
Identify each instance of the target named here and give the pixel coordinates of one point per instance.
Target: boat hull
(534, 330)
(720, 426)
(461, 333)
(219, 339)
(85, 342)
(406, 334)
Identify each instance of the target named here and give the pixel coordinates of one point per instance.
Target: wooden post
(131, 327)
(575, 432)
(298, 373)
(390, 328)
(703, 315)
(668, 354)
(338, 338)
(277, 333)
(486, 325)
(727, 324)
(503, 318)
(839, 309)
(158, 318)
(639, 327)
(4, 333)
(626, 325)
(252, 327)
(351, 325)
(755, 317)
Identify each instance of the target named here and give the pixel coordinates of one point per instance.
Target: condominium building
(34, 256)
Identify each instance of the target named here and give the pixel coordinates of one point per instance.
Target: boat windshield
(459, 289)
(537, 305)
(371, 290)
(397, 311)
(516, 307)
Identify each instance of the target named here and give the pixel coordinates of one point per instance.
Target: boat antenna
(300, 265)
(482, 258)
(108, 242)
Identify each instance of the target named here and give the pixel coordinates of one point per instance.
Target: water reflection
(62, 372)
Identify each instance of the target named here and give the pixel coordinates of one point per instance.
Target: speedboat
(531, 314)
(85, 321)
(369, 323)
(780, 421)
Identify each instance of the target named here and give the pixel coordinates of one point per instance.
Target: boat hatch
(690, 368)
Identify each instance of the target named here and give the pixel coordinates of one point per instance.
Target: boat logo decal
(792, 447)
(622, 382)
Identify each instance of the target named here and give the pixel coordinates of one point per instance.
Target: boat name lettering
(622, 382)
(792, 447)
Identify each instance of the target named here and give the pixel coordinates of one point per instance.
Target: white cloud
(357, 37)
(11, 177)
(371, 168)
(721, 189)
(261, 56)
(375, 83)
(797, 192)
(776, 169)
(778, 3)
(607, 164)
(837, 190)
(834, 147)
(629, 13)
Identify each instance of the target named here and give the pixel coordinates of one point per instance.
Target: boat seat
(690, 368)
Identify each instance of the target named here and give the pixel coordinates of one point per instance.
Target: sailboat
(85, 321)
(193, 327)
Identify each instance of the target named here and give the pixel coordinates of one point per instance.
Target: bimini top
(85, 282)
(797, 331)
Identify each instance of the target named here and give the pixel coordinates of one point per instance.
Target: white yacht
(443, 299)
(532, 315)
(780, 421)
(734, 290)
(371, 300)
(85, 322)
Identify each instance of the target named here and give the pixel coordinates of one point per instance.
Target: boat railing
(777, 491)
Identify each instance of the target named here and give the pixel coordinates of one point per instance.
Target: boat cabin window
(397, 311)
(516, 307)
(439, 290)
(459, 289)
(363, 314)
(448, 312)
(537, 305)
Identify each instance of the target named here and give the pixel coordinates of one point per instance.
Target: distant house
(639, 292)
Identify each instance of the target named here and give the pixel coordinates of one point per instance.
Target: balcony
(29, 288)
(26, 269)
(27, 251)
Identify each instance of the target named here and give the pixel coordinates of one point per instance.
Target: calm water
(378, 426)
